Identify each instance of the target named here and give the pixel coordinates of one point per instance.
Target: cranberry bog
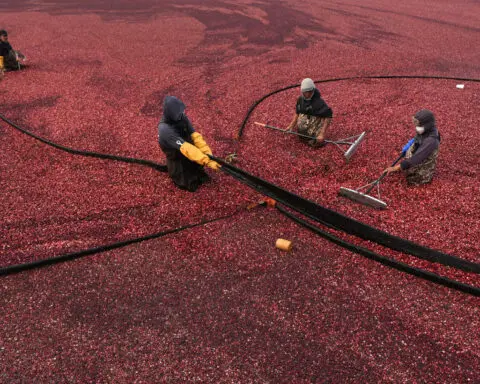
(218, 302)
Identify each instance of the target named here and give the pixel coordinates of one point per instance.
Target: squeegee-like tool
(365, 198)
(352, 145)
(362, 198)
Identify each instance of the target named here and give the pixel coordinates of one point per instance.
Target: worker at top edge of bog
(421, 158)
(185, 149)
(312, 114)
(12, 59)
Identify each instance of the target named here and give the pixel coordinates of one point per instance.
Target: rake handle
(384, 174)
(284, 130)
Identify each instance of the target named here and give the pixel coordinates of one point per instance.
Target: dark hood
(316, 106)
(426, 119)
(173, 109)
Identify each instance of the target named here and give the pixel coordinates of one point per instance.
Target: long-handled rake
(352, 145)
(365, 198)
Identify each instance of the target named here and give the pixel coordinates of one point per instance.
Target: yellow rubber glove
(200, 143)
(194, 154)
(214, 165)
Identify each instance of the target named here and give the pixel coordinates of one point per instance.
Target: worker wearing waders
(312, 114)
(186, 150)
(421, 158)
(11, 58)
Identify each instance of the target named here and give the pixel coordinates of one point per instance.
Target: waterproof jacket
(316, 106)
(424, 144)
(5, 48)
(173, 130)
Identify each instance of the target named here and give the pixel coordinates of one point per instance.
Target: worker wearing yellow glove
(186, 150)
(193, 153)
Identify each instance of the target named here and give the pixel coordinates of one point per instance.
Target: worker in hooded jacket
(11, 59)
(421, 158)
(185, 149)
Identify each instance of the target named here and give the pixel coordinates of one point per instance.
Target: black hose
(103, 248)
(131, 160)
(256, 103)
(160, 167)
(426, 275)
(344, 223)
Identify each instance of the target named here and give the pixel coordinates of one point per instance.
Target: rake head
(353, 148)
(362, 198)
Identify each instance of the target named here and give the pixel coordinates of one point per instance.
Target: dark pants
(186, 174)
(423, 172)
(11, 62)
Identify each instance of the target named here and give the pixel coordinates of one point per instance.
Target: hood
(307, 85)
(426, 119)
(173, 109)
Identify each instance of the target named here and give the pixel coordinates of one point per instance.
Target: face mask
(420, 130)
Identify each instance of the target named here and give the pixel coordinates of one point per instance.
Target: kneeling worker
(421, 158)
(11, 58)
(186, 150)
(312, 114)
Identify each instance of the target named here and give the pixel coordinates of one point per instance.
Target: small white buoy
(460, 86)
